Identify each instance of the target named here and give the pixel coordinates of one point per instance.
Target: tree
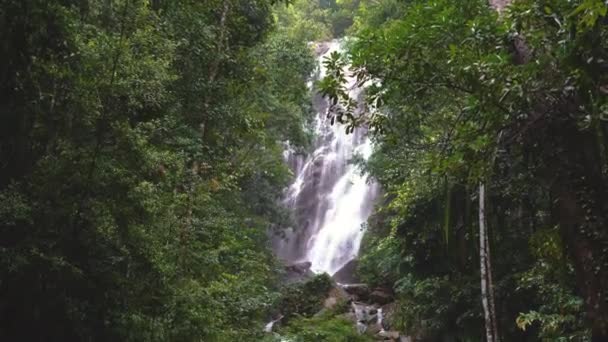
(449, 79)
(139, 174)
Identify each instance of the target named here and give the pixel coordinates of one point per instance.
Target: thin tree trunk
(487, 299)
(487, 282)
(491, 284)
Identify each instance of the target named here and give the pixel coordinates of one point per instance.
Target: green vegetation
(516, 102)
(141, 166)
(318, 20)
(305, 319)
(304, 299)
(326, 328)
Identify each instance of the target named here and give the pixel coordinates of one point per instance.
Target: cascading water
(329, 197)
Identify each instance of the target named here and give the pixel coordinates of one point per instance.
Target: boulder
(373, 329)
(300, 268)
(381, 296)
(358, 291)
(361, 327)
(364, 313)
(298, 272)
(321, 48)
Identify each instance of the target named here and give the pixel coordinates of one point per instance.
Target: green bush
(305, 299)
(326, 327)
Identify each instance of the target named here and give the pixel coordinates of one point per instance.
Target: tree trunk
(580, 208)
(491, 286)
(487, 292)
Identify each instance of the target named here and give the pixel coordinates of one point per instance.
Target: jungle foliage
(318, 20)
(461, 95)
(141, 149)
(141, 164)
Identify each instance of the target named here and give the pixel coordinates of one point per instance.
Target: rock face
(346, 275)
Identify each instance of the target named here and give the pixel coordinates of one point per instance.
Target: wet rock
(302, 267)
(321, 48)
(388, 312)
(390, 335)
(346, 275)
(359, 291)
(298, 272)
(381, 296)
(361, 327)
(373, 329)
(364, 313)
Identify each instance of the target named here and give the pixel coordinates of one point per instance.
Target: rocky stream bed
(369, 309)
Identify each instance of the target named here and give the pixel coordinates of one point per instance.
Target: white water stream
(329, 197)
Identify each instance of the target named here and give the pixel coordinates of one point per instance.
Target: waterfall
(329, 197)
(380, 320)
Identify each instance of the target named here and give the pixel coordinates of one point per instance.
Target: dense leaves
(141, 166)
(463, 94)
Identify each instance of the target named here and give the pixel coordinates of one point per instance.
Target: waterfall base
(368, 310)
